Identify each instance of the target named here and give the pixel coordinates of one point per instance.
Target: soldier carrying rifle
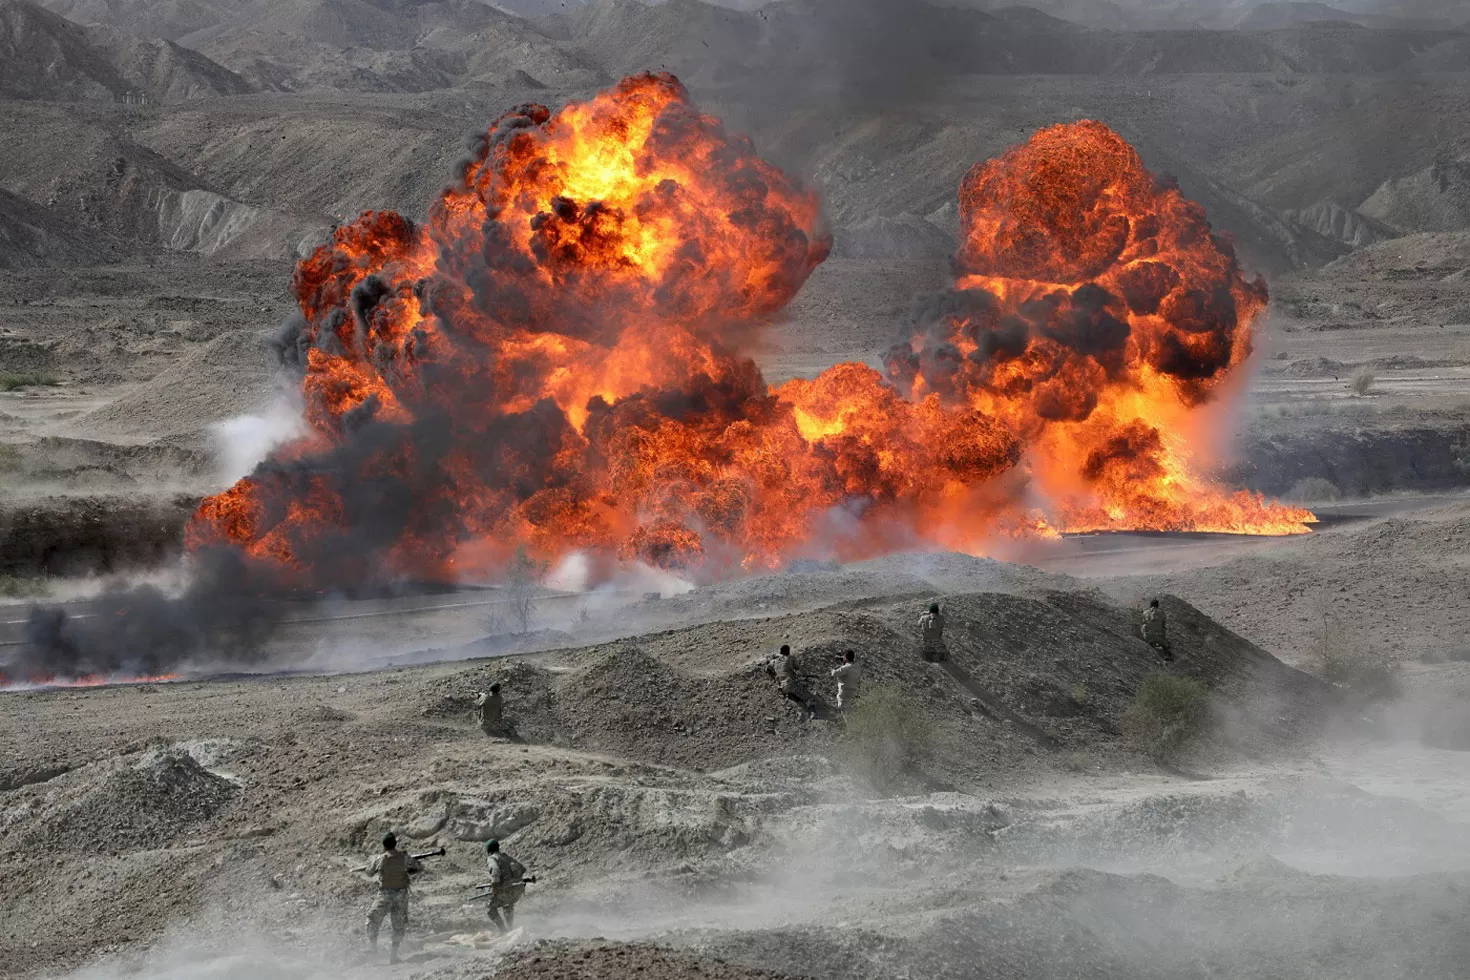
(508, 880)
(392, 868)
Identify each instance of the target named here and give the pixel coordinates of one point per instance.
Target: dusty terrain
(174, 160)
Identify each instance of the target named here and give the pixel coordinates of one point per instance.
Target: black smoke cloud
(140, 632)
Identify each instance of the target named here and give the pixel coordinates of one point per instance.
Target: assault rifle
(486, 890)
(440, 852)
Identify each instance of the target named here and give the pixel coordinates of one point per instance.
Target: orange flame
(41, 683)
(551, 362)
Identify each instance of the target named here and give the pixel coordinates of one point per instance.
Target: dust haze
(1016, 810)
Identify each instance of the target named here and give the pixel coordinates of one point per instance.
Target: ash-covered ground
(173, 161)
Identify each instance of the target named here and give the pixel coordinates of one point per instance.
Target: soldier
(931, 627)
(783, 668)
(492, 711)
(507, 885)
(849, 676)
(1155, 630)
(392, 869)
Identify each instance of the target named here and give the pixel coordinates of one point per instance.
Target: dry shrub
(18, 587)
(1167, 713)
(27, 379)
(1362, 380)
(1348, 662)
(1313, 489)
(522, 594)
(887, 735)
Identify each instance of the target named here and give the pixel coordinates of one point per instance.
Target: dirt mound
(618, 961)
(225, 378)
(126, 803)
(1434, 199)
(1046, 671)
(1428, 252)
(31, 235)
(59, 535)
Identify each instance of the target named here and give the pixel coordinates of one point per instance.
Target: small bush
(1313, 489)
(16, 587)
(522, 592)
(1077, 762)
(1166, 714)
(1347, 662)
(1362, 380)
(887, 734)
(27, 379)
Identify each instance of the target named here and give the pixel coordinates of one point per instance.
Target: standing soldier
(392, 869)
(1155, 630)
(507, 885)
(783, 668)
(492, 711)
(849, 676)
(931, 628)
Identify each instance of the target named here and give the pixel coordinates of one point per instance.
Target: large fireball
(552, 361)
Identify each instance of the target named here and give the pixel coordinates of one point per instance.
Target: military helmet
(933, 607)
(491, 846)
(389, 841)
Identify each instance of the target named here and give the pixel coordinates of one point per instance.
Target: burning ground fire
(553, 361)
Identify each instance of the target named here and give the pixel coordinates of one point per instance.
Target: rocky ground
(663, 793)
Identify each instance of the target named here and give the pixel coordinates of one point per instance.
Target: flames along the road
(553, 361)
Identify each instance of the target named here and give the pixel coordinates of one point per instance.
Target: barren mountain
(44, 56)
(32, 235)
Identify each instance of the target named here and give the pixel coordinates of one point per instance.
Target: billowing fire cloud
(552, 361)
(1093, 315)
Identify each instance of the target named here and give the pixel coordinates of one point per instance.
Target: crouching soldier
(931, 631)
(782, 667)
(491, 708)
(392, 869)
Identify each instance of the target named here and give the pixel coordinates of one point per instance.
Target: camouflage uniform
(392, 869)
(783, 668)
(492, 713)
(1155, 631)
(849, 678)
(931, 628)
(507, 881)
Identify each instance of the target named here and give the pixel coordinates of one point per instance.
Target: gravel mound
(619, 961)
(140, 803)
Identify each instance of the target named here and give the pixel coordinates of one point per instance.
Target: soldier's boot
(496, 921)
(510, 917)
(393, 952)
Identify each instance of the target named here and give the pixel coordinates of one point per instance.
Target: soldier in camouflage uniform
(507, 885)
(492, 711)
(392, 869)
(783, 668)
(931, 628)
(1155, 630)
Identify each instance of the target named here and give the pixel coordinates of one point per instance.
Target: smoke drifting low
(141, 632)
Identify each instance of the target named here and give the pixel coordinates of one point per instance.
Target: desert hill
(45, 56)
(319, 111)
